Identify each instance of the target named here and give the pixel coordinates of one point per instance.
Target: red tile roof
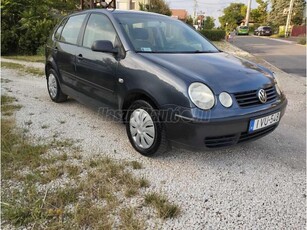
(179, 13)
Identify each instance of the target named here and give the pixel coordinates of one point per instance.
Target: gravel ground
(252, 186)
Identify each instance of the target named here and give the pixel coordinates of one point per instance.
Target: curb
(275, 39)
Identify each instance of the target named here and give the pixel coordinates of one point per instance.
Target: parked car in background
(263, 31)
(242, 30)
(165, 81)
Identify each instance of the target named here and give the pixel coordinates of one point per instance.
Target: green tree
(209, 23)
(260, 14)
(26, 24)
(156, 6)
(233, 15)
(279, 12)
(189, 21)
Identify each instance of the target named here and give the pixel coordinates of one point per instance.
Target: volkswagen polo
(168, 84)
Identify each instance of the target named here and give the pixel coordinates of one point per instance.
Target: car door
(96, 71)
(65, 49)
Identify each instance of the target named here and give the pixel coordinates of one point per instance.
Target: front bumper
(213, 133)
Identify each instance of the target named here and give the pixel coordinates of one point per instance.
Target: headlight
(277, 84)
(225, 99)
(201, 96)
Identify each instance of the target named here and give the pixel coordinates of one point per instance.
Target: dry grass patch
(44, 186)
(8, 105)
(136, 165)
(129, 220)
(164, 208)
(73, 171)
(22, 68)
(28, 58)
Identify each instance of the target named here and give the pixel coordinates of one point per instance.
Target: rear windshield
(244, 27)
(266, 28)
(160, 34)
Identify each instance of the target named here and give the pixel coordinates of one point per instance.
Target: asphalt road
(291, 58)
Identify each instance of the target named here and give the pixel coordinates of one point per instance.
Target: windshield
(243, 27)
(159, 34)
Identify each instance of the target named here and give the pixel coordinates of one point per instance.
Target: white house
(130, 4)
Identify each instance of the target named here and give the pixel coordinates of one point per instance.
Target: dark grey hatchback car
(165, 81)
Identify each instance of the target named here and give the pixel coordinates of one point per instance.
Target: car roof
(115, 11)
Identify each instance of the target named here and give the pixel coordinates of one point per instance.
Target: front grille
(254, 135)
(220, 141)
(250, 98)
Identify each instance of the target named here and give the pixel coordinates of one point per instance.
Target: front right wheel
(145, 131)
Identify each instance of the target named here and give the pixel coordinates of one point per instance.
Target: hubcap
(142, 128)
(52, 86)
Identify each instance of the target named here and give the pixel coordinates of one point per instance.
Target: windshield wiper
(204, 51)
(179, 52)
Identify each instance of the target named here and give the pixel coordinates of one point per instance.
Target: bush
(214, 35)
(26, 24)
(302, 41)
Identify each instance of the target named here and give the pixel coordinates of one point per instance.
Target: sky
(209, 7)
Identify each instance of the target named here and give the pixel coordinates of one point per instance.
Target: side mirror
(104, 46)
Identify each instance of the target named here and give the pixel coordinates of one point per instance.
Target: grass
(8, 106)
(3, 80)
(129, 221)
(28, 58)
(22, 68)
(164, 208)
(136, 165)
(85, 195)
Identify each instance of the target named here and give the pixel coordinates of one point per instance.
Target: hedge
(214, 35)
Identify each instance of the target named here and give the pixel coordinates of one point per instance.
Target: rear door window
(72, 28)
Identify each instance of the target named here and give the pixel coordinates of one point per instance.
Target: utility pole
(195, 10)
(287, 32)
(249, 5)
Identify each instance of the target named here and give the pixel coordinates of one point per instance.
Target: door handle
(55, 49)
(80, 57)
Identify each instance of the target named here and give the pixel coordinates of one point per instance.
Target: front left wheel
(145, 131)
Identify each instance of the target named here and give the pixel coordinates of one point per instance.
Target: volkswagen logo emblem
(262, 96)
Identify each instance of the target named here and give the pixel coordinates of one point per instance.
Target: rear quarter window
(72, 29)
(57, 34)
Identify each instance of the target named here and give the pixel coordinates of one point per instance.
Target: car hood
(220, 71)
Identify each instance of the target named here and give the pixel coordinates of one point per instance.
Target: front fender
(158, 83)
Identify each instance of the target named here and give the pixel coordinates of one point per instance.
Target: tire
(54, 88)
(145, 131)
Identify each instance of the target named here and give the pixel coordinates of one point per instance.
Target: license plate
(267, 32)
(263, 122)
